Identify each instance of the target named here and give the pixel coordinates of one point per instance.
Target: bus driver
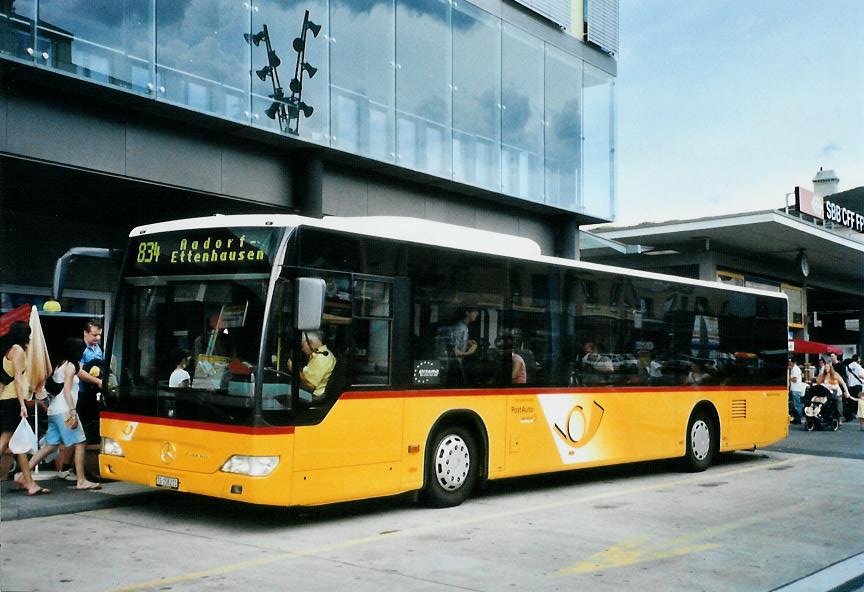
(319, 367)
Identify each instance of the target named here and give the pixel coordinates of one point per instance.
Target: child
(180, 377)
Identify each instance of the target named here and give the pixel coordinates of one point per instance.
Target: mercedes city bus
(455, 356)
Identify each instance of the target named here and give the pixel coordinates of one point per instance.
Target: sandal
(39, 491)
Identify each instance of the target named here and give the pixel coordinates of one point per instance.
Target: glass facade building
(441, 87)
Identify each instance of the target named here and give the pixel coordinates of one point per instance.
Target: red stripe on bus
(198, 425)
(542, 391)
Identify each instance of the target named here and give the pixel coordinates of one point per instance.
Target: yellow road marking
(234, 567)
(631, 551)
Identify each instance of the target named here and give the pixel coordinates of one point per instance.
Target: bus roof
(400, 228)
(427, 232)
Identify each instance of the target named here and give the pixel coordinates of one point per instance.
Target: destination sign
(210, 250)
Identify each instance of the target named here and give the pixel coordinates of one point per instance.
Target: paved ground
(753, 522)
(631, 527)
(848, 442)
(64, 499)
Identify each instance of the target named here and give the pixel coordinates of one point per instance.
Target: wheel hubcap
(700, 439)
(452, 462)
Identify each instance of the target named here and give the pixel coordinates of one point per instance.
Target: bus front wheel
(701, 442)
(451, 467)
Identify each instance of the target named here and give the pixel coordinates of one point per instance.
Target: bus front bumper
(254, 490)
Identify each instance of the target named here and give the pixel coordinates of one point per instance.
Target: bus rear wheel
(451, 467)
(701, 442)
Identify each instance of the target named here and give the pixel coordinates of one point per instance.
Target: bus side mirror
(310, 304)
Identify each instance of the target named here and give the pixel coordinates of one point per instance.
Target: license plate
(167, 482)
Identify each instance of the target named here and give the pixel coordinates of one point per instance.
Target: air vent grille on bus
(739, 409)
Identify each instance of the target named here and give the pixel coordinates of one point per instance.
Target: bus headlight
(254, 466)
(110, 446)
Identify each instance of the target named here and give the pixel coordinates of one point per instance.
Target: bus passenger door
(355, 449)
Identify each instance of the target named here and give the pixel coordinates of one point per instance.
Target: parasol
(38, 365)
(38, 362)
(800, 346)
(21, 313)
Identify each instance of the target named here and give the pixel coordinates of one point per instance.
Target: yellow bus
(292, 361)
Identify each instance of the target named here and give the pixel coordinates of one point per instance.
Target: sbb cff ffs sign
(844, 216)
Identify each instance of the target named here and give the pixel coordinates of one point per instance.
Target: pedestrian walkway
(843, 576)
(65, 499)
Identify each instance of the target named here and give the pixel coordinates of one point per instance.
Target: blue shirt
(92, 352)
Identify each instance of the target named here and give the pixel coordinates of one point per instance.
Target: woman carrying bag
(63, 425)
(13, 397)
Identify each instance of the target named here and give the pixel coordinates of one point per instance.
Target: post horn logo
(581, 425)
(168, 453)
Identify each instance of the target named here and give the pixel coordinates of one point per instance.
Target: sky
(724, 106)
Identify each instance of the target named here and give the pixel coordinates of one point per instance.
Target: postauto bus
(460, 356)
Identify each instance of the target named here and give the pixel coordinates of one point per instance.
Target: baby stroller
(820, 409)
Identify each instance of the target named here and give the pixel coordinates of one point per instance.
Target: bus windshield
(186, 347)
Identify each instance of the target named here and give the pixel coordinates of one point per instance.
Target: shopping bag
(23, 440)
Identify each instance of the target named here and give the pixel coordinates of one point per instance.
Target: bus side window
(372, 325)
(455, 299)
(335, 329)
(535, 324)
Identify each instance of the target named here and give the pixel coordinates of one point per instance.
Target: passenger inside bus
(697, 375)
(517, 370)
(454, 347)
(463, 346)
(180, 376)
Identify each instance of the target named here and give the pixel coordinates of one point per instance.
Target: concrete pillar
(308, 185)
(567, 238)
(707, 267)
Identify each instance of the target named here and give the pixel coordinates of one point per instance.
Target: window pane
(16, 28)
(522, 114)
(371, 352)
(532, 341)
(795, 303)
(371, 299)
(362, 79)
(217, 322)
(423, 79)
(562, 128)
(284, 20)
(335, 335)
(456, 310)
(277, 371)
(371, 324)
(602, 313)
(110, 42)
(599, 147)
(476, 97)
(202, 60)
